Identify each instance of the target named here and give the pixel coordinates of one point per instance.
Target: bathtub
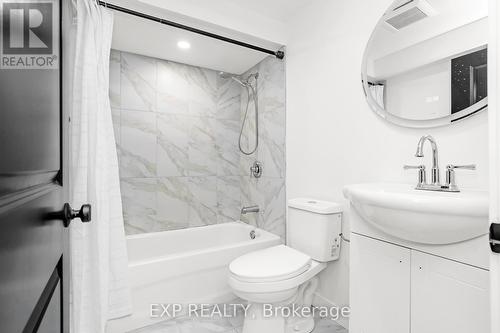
(184, 266)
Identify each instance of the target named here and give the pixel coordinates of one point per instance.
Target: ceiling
(279, 10)
(141, 36)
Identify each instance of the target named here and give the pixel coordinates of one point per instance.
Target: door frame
(66, 42)
(494, 156)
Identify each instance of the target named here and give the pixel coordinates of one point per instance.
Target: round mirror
(425, 64)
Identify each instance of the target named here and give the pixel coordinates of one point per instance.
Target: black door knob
(495, 237)
(68, 214)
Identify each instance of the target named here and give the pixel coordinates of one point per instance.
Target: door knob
(68, 214)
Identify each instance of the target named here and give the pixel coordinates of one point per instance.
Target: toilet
(284, 277)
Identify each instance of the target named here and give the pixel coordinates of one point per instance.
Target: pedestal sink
(421, 216)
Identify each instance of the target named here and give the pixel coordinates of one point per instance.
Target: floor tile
(224, 325)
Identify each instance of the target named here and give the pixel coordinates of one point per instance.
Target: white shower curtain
(377, 91)
(99, 285)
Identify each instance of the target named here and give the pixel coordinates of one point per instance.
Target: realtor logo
(29, 33)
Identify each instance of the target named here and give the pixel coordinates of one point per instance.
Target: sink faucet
(435, 161)
(435, 185)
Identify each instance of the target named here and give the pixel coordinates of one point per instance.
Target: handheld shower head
(235, 78)
(251, 90)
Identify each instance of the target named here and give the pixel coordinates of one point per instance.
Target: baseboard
(320, 300)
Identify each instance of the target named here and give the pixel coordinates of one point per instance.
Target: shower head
(244, 84)
(251, 91)
(224, 75)
(236, 78)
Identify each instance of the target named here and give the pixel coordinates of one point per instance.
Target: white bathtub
(184, 266)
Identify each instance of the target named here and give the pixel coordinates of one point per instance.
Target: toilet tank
(314, 228)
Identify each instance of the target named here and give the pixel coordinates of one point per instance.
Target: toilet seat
(289, 269)
(273, 264)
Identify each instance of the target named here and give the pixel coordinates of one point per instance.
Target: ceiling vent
(407, 13)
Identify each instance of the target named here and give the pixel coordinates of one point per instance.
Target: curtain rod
(278, 54)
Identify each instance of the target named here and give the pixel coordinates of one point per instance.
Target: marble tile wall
(268, 191)
(176, 128)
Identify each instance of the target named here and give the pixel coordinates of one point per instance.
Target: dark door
(33, 256)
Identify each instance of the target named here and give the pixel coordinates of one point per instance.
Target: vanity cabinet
(447, 296)
(398, 290)
(380, 287)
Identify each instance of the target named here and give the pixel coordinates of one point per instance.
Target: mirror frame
(413, 123)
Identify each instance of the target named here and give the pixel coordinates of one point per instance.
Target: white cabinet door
(448, 296)
(380, 287)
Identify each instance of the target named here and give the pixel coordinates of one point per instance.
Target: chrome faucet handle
(256, 169)
(422, 179)
(406, 166)
(450, 175)
(466, 166)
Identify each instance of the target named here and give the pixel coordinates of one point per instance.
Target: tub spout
(250, 209)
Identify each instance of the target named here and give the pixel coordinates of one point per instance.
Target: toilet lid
(272, 264)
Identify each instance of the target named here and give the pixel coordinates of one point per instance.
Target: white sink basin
(421, 216)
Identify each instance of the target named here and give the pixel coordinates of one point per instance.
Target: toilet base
(300, 325)
(259, 319)
(256, 322)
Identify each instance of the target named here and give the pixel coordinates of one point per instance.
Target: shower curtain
(98, 270)
(377, 91)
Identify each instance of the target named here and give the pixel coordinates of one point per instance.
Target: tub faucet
(250, 209)
(435, 163)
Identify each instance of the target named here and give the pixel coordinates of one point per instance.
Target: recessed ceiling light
(182, 44)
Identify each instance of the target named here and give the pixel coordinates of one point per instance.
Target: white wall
(333, 138)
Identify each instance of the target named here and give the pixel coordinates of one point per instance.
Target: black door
(33, 185)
